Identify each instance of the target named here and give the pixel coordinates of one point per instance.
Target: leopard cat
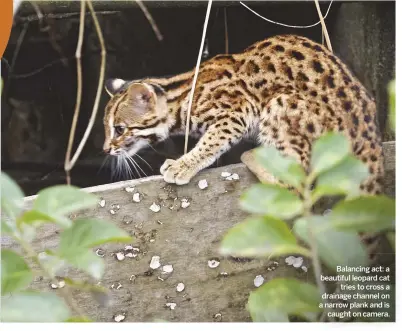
(284, 91)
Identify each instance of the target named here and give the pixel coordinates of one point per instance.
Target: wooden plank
(185, 238)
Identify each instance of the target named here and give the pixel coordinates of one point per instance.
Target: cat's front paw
(177, 172)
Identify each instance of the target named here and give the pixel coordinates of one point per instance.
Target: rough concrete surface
(186, 238)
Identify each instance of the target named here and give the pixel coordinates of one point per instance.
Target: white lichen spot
(132, 278)
(131, 251)
(272, 266)
(224, 274)
(119, 317)
(167, 269)
(171, 305)
(136, 197)
(161, 279)
(185, 203)
(218, 317)
(130, 189)
(232, 177)
(155, 208)
(120, 256)
(180, 287)
(289, 260)
(155, 262)
(258, 281)
(294, 261)
(116, 286)
(102, 203)
(100, 252)
(225, 174)
(159, 222)
(304, 268)
(60, 284)
(213, 263)
(203, 184)
(151, 240)
(114, 209)
(297, 263)
(235, 177)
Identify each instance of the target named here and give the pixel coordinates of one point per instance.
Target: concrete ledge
(187, 239)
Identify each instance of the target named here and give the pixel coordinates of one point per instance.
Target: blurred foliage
(77, 240)
(283, 218)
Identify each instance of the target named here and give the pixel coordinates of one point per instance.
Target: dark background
(39, 70)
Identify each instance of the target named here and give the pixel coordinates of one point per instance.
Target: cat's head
(135, 116)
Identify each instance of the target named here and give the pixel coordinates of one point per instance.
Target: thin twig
(197, 69)
(150, 20)
(288, 25)
(68, 164)
(91, 122)
(324, 27)
(37, 10)
(32, 18)
(226, 31)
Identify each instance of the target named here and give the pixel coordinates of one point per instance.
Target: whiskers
(124, 166)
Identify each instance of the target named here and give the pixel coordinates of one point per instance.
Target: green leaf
(273, 301)
(328, 151)
(343, 179)
(272, 200)
(34, 218)
(87, 233)
(7, 227)
(391, 239)
(12, 198)
(334, 247)
(365, 213)
(33, 307)
(60, 200)
(86, 260)
(282, 167)
(261, 236)
(78, 320)
(15, 273)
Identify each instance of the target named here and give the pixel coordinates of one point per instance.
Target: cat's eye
(119, 129)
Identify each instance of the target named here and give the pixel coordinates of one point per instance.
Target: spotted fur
(284, 91)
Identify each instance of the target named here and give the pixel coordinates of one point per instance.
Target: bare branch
(70, 164)
(197, 69)
(150, 19)
(67, 164)
(324, 27)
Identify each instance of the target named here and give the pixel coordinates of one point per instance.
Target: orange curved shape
(6, 19)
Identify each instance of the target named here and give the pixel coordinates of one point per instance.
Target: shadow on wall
(40, 88)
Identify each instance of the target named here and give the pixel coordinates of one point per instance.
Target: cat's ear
(141, 97)
(112, 86)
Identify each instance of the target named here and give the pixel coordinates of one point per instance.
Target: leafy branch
(77, 239)
(331, 239)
